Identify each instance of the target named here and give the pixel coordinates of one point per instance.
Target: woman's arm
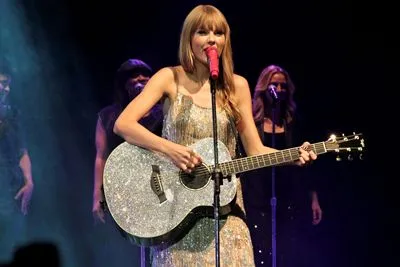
(100, 161)
(25, 193)
(127, 125)
(25, 165)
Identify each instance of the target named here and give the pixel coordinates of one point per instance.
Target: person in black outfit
(130, 79)
(293, 185)
(16, 183)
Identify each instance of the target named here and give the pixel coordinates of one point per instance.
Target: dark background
(64, 54)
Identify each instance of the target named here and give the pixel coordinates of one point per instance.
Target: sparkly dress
(185, 123)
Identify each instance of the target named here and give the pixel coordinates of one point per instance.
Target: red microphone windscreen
(212, 55)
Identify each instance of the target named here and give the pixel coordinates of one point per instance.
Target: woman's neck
(201, 72)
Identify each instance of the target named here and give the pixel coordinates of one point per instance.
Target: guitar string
(258, 159)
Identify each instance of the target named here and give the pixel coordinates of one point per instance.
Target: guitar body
(153, 201)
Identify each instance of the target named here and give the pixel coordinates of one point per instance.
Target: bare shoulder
(165, 74)
(164, 79)
(239, 80)
(241, 87)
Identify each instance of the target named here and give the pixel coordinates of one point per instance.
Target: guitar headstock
(349, 144)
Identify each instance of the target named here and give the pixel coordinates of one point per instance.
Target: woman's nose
(211, 38)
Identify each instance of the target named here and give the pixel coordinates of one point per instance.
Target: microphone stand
(216, 173)
(273, 201)
(142, 256)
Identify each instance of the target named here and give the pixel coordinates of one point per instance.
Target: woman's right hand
(183, 157)
(98, 207)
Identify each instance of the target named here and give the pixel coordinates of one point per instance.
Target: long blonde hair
(209, 17)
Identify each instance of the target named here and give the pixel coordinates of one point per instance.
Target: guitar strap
(238, 152)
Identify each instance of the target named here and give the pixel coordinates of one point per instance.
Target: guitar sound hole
(199, 178)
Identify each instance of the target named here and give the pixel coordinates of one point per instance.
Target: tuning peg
(338, 158)
(361, 157)
(349, 157)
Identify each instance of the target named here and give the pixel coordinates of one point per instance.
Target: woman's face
(202, 39)
(135, 84)
(4, 86)
(279, 80)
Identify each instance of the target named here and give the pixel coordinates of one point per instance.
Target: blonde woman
(188, 119)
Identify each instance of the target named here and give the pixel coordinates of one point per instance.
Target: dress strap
(167, 101)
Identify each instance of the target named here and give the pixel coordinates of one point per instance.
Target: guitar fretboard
(265, 160)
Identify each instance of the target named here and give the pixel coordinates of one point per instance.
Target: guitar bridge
(156, 185)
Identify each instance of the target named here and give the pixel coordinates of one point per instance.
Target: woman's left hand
(317, 212)
(306, 154)
(25, 193)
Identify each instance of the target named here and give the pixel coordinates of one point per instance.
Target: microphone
(135, 90)
(139, 87)
(213, 62)
(272, 90)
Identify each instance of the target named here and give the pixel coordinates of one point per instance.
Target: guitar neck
(271, 159)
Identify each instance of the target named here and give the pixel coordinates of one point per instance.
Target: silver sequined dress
(185, 123)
